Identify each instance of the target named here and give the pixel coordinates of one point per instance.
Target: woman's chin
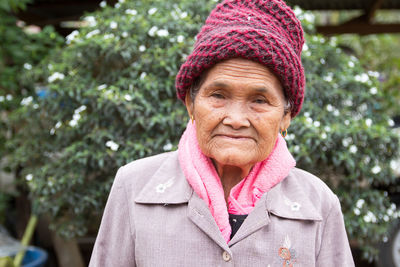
(235, 157)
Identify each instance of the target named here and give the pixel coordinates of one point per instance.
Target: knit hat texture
(265, 31)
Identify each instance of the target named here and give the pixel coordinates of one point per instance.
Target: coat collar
(168, 185)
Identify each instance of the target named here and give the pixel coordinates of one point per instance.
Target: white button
(226, 256)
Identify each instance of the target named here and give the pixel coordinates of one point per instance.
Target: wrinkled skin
(239, 112)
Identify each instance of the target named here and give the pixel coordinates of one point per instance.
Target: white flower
(346, 122)
(309, 120)
(290, 137)
(395, 166)
(143, 75)
(336, 112)
(108, 36)
(348, 102)
(167, 147)
(385, 218)
(55, 76)
(329, 107)
(121, 1)
(9, 97)
(350, 64)
(362, 78)
(153, 30)
(70, 37)
(124, 34)
(362, 108)
(368, 122)
(142, 48)
(26, 101)
(328, 77)
(327, 128)
(322, 61)
(91, 21)
(73, 123)
(376, 169)
(356, 211)
(152, 10)
(35, 106)
(317, 124)
(92, 33)
(295, 206)
(29, 177)
(324, 136)
(58, 125)
(360, 203)
(390, 122)
(184, 15)
(180, 38)
(373, 91)
(52, 131)
(373, 73)
(160, 188)
(27, 66)
(80, 109)
(102, 86)
(309, 17)
(128, 97)
(76, 117)
(103, 4)
(305, 47)
(306, 114)
(347, 141)
(112, 145)
(162, 33)
(296, 148)
(131, 12)
(298, 11)
(353, 149)
(113, 25)
(370, 217)
(117, 5)
(1, 98)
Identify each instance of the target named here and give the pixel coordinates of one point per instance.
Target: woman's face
(239, 112)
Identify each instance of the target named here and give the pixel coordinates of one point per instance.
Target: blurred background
(87, 86)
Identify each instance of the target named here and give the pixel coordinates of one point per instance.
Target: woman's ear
(189, 104)
(285, 123)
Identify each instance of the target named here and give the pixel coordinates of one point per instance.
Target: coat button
(226, 256)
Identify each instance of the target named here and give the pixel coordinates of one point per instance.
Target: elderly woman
(230, 195)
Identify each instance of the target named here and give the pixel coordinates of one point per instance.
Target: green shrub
(109, 98)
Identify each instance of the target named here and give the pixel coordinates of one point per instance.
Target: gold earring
(284, 133)
(191, 117)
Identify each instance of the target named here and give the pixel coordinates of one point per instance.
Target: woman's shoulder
(309, 182)
(310, 190)
(136, 174)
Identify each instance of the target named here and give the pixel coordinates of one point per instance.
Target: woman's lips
(234, 137)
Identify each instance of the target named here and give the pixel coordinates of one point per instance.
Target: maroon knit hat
(265, 31)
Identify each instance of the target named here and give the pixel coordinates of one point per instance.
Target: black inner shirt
(236, 221)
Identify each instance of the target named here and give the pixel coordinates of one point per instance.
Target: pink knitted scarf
(202, 176)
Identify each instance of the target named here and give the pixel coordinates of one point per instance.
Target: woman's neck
(230, 176)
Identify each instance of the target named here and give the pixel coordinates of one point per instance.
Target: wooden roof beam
(370, 12)
(362, 28)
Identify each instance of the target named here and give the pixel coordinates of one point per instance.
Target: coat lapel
(257, 219)
(200, 214)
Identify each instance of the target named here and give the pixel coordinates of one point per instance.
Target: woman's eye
(218, 95)
(260, 101)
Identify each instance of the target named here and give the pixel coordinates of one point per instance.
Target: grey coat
(154, 218)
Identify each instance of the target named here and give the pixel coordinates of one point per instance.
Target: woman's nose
(236, 116)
